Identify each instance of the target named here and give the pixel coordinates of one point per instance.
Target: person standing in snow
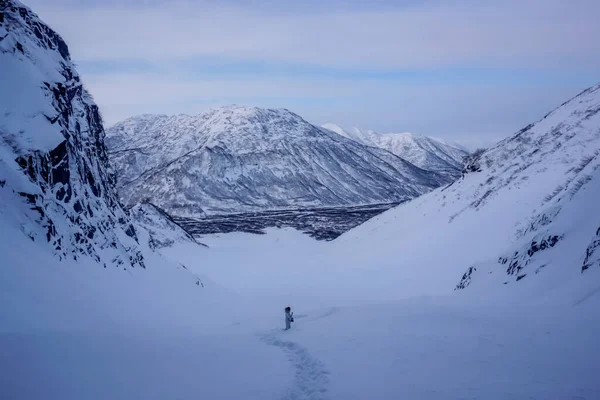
(289, 318)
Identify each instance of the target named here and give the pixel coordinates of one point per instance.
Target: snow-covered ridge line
(425, 152)
(245, 159)
(524, 210)
(546, 229)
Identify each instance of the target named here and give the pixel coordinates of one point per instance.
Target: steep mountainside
(162, 230)
(526, 207)
(235, 159)
(424, 152)
(52, 153)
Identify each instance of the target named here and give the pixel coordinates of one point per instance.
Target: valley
(155, 259)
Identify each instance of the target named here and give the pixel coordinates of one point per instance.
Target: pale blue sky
(466, 70)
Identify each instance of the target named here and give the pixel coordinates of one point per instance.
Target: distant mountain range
(240, 159)
(424, 152)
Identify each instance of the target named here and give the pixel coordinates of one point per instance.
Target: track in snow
(311, 379)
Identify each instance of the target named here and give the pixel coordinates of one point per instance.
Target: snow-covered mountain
(234, 159)
(54, 172)
(204, 322)
(424, 152)
(525, 210)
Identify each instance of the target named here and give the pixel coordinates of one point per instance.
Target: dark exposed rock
(466, 279)
(472, 162)
(75, 200)
(592, 253)
(520, 259)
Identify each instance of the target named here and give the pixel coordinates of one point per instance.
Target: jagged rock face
(424, 152)
(472, 162)
(235, 159)
(52, 148)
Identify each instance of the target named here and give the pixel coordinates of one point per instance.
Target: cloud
(548, 33)
(468, 112)
(469, 70)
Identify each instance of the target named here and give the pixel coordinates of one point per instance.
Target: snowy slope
(523, 341)
(424, 152)
(526, 207)
(162, 229)
(52, 152)
(247, 159)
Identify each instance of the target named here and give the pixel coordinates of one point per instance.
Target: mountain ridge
(423, 151)
(238, 158)
(523, 211)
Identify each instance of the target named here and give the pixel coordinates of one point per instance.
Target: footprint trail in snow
(311, 378)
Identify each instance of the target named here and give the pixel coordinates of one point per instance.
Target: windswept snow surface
(75, 330)
(79, 331)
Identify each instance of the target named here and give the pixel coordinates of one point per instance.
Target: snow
(424, 152)
(83, 331)
(24, 111)
(427, 350)
(236, 158)
(141, 367)
(51, 147)
(73, 331)
(375, 312)
(25, 106)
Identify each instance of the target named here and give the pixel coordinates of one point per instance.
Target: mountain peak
(335, 128)
(238, 158)
(237, 113)
(424, 152)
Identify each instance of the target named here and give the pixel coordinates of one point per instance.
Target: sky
(472, 71)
